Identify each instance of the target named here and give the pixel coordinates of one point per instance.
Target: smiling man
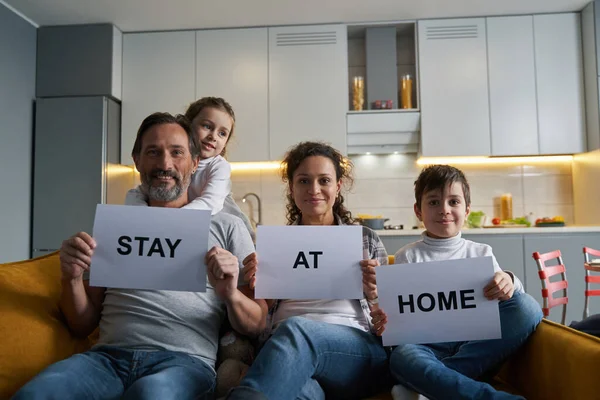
(153, 344)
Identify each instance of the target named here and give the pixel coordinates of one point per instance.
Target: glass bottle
(358, 93)
(506, 211)
(406, 91)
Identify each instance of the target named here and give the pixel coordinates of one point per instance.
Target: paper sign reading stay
(150, 248)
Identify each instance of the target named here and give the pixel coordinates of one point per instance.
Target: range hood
(383, 132)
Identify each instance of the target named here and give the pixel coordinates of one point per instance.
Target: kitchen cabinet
(233, 64)
(455, 114)
(394, 243)
(79, 135)
(590, 32)
(158, 75)
(308, 86)
(571, 247)
(79, 60)
(508, 250)
(559, 77)
(512, 81)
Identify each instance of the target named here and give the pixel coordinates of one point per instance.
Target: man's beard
(160, 191)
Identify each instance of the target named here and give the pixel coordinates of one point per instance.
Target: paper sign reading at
(150, 248)
(309, 262)
(440, 301)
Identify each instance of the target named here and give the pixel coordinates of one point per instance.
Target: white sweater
(430, 249)
(211, 183)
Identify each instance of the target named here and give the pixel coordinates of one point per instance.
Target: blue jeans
(305, 359)
(109, 372)
(450, 370)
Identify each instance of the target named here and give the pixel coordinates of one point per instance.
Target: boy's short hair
(436, 177)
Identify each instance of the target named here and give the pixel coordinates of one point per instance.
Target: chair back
(549, 288)
(590, 266)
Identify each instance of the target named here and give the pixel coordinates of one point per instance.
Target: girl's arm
(217, 187)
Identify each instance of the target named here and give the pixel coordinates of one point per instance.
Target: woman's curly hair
(343, 170)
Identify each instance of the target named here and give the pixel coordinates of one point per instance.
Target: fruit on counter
(546, 220)
(517, 221)
(514, 221)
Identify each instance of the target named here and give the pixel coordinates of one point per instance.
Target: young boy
(450, 370)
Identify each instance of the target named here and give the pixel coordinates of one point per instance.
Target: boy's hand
(378, 319)
(501, 287)
(369, 281)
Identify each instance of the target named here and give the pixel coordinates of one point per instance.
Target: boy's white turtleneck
(454, 248)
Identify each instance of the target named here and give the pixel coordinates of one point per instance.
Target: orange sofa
(556, 362)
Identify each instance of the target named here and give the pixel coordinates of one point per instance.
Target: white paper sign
(309, 262)
(150, 248)
(440, 301)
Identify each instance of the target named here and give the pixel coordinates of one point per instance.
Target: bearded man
(153, 344)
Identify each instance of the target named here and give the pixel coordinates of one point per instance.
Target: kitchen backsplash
(384, 185)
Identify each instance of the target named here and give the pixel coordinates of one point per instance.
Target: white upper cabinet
(455, 114)
(158, 75)
(233, 64)
(590, 32)
(513, 104)
(308, 86)
(560, 92)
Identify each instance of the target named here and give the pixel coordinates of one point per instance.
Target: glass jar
(358, 93)
(406, 91)
(506, 211)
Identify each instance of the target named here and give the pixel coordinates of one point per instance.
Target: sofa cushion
(33, 331)
(557, 362)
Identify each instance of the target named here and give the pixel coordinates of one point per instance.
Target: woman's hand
(501, 287)
(378, 319)
(249, 270)
(369, 281)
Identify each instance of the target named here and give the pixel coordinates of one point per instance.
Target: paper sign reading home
(440, 301)
(309, 262)
(150, 248)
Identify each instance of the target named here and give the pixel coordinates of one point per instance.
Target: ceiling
(152, 15)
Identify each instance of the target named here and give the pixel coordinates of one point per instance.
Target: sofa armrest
(33, 331)
(556, 362)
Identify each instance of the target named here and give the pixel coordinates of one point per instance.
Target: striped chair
(549, 288)
(589, 278)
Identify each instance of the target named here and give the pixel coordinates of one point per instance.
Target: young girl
(212, 120)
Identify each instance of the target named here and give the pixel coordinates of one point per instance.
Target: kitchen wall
(384, 185)
(17, 93)
(586, 188)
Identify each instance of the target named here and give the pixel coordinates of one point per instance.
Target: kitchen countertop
(498, 231)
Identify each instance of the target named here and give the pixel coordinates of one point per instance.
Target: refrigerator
(76, 157)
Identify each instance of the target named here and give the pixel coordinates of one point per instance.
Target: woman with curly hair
(319, 348)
